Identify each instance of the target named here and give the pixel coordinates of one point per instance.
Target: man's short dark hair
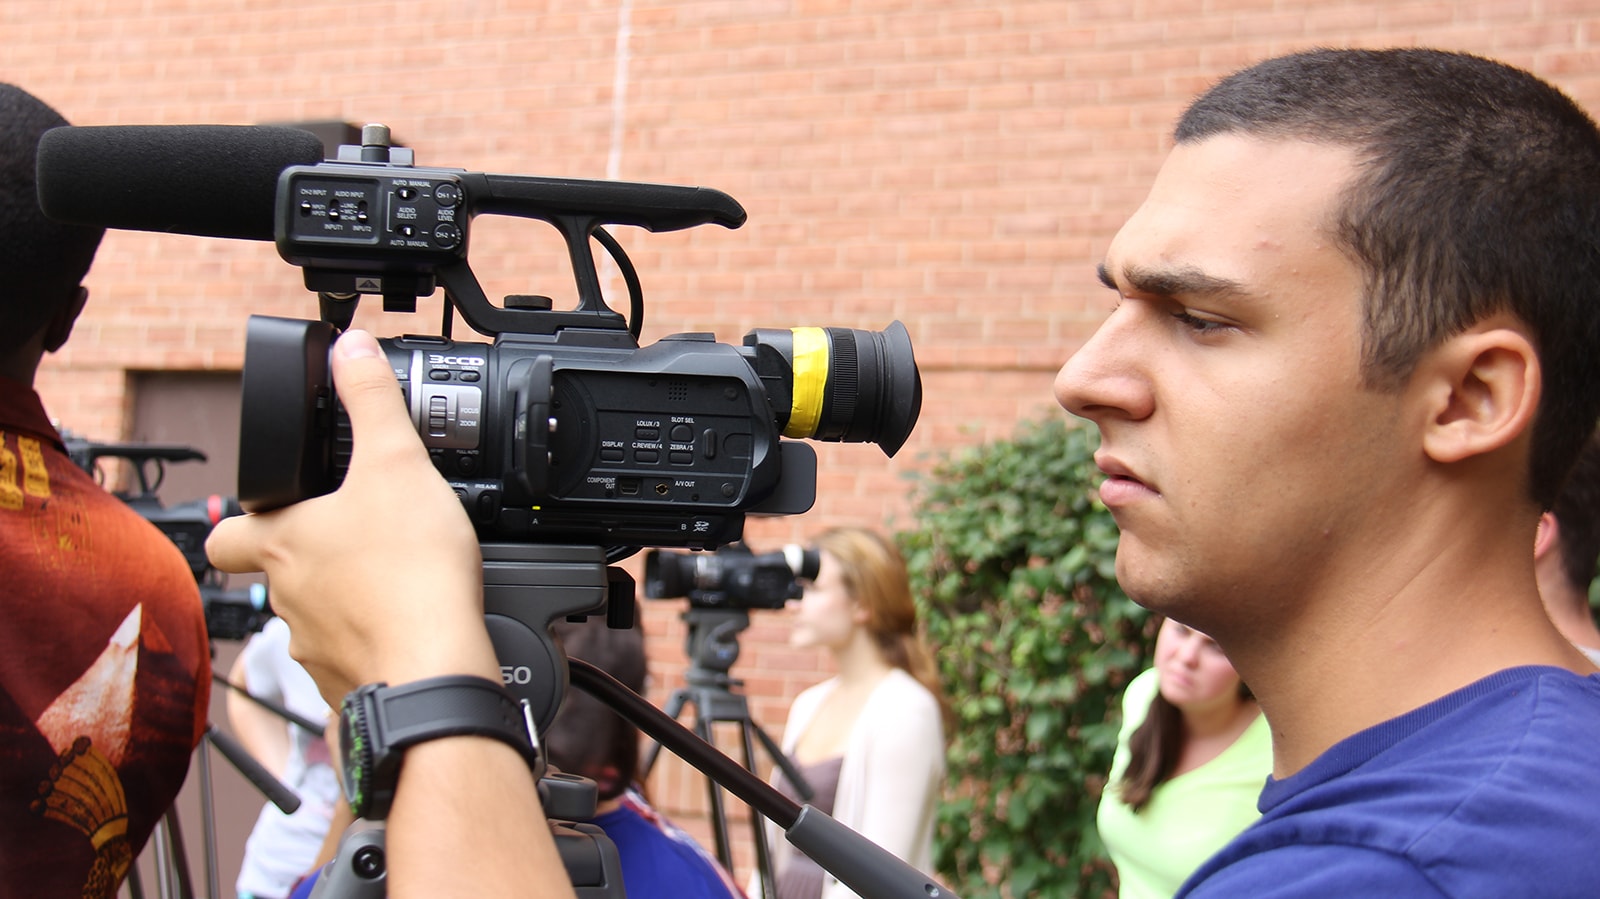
(1479, 193)
(588, 738)
(41, 262)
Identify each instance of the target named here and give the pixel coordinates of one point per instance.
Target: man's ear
(1547, 536)
(1482, 388)
(60, 325)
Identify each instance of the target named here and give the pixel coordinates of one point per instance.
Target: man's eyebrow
(1171, 282)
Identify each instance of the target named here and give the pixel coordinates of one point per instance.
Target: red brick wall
(959, 166)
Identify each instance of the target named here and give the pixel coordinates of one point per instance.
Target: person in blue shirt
(659, 859)
(1352, 357)
(1567, 551)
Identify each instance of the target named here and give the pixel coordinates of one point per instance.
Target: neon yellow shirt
(1187, 818)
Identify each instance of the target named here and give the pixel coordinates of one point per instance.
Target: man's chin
(1141, 577)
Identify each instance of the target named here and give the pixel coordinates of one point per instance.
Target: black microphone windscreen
(208, 180)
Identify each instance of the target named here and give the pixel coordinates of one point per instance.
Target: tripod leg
(793, 774)
(673, 707)
(172, 863)
(758, 829)
(719, 820)
(208, 836)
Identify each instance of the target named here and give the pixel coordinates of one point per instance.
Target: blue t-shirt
(660, 861)
(1491, 791)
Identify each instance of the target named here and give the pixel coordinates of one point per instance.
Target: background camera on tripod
(733, 577)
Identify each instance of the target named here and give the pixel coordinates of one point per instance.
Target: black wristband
(379, 722)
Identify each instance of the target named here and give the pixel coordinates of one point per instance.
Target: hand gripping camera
(563, 429)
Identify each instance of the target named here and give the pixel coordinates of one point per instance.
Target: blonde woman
(869, 741)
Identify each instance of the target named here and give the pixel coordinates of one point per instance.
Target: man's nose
(1104, 378)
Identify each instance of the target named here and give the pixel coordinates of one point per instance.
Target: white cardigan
(891, 778)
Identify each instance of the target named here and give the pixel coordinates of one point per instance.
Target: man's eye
(1194, 323)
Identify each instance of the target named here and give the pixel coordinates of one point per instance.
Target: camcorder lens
(849, 384)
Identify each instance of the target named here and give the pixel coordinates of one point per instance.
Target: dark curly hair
(44, 261)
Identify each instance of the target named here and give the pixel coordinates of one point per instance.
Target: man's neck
(1340, 661)
(20, 366)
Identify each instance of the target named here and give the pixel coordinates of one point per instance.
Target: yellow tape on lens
(810, 365)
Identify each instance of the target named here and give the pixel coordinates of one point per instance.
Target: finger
(372, 398)
(234, 545)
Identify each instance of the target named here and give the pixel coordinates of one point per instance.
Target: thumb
(234, 544)
(379, 421)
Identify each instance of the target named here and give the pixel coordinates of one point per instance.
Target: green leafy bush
(1013, 562)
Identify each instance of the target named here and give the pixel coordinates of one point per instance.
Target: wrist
(379, 723)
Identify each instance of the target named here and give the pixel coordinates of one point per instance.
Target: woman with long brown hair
(1191, 760)
(869, 741)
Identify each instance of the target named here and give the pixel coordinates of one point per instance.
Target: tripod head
(527, 587)
(712, 644)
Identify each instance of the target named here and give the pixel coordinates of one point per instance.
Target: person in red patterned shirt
(104, 661)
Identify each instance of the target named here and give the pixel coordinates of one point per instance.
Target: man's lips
(1121, 487)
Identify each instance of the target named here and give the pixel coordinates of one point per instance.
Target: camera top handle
(371, 222)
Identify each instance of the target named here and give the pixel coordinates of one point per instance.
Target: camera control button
(447, 194)
(682, 433)
(447, 235)
(488, 505)
(469, 376)
(611, 454)
(439, 374)
(681, 458)
(708, 443)
(646, 455)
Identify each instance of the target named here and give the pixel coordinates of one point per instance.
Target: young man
(1568, 547)
(105, 670)
(1352, 359)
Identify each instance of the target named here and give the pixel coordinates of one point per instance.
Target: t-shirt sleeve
(1313, 872)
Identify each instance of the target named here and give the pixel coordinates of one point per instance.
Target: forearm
(466, 821)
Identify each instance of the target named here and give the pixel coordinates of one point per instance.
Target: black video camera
(733, 577)
(230, 614)
(564, 429)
